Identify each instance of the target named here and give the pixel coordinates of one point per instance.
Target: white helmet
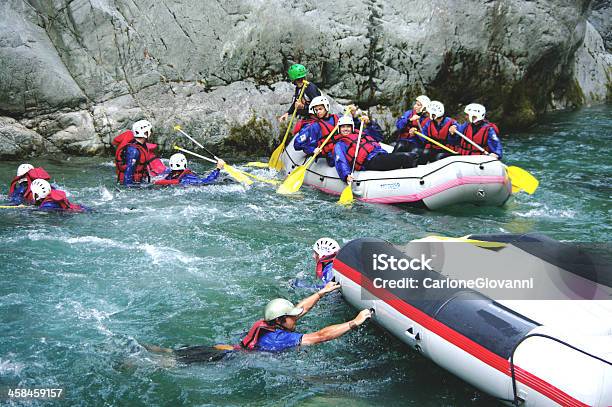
(23, 169)
(40, 189)
(346, 119)
(326, 246)
(436, 109)
(178, 161)
(476, 111)
(280, 307)
(142, 128)
(424, 100)
(319, 100)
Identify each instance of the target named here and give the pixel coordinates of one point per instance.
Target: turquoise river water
(80, 293)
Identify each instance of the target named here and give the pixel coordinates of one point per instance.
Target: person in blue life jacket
(311, 135)
(438, 129)
(179, 174)
(19, 185)
(480, 131)
(324, 252)
(297, 75)
(411, 121)
(52, 200)
(277, 330)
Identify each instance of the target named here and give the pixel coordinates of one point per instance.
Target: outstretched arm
(335, 331)
(309, 302)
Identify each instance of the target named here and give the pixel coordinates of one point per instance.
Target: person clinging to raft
(135, 160)
(297, 75)
(179, 174)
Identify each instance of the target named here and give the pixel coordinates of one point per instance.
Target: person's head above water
(319, 107)
(324, 247)
(142, 130)
(23, 169)
(40, 189)
(178, 162)
(346, 125)
(283, 313)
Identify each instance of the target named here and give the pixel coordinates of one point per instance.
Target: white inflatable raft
(480, 180)
(523, 352)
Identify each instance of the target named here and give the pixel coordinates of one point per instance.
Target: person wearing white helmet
(324, 252)
(48, 199)
(297, 75)
(277, 330)
(20, 188)
(411, 121)
(179, 174)
(310, 136)
(437, 128)
(480, 131)
(135, 160)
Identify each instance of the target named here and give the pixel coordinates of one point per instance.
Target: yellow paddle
(346, 197)
(465, 239)
(432, 141)
(12, 206)
(234, 173)
(295, 180)
(521, 179)
(257, 164)
(275, 163)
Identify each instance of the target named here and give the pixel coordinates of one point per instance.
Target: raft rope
(514, 390)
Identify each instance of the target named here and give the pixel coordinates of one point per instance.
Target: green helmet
(280, 307)
(297, 71)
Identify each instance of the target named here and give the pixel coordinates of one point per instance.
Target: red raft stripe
(459, 340)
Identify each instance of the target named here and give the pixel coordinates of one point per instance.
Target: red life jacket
(250, 341)
(60, 198)
(173, 179)
(326, 128)
(405, 132)
(440, 136)
(367, 145)
(34, 173)
(481, 138)
(322, 262)
(148, 164)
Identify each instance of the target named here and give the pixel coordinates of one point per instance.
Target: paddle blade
(177, 127)
(346, 197)
(262, 179)
(293, 182)
(237, 175)
(465, 239)
(275, 163)
(12, 206)
(522, 179)
(257, 164)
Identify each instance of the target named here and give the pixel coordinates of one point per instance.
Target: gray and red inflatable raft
(523, 351)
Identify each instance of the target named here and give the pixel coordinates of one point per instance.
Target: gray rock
(19, 141)
(601, 18)
(593, 63)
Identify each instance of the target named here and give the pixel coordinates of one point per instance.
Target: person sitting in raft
(179, 174)
(135, 161)
(312, 135)
(480, 131)
(411, 121)
(370, 156)
(297, 75)
(370, 127)
(47, 199)
(276, 331)
(437, 128)
(20, 192)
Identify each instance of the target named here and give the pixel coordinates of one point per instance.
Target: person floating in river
(370, 156)
(20, 192)
(297, 75)
(179, 174)
(324, 252)
(480, 131)
(311, 135)
(411, 121)
(437, 128)
(135, 160)
(48, 199)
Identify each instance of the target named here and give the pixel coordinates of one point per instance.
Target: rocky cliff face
(76, 72)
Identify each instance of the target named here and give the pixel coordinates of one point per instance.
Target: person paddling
(297, 75)
(311, 135)
(438, 128)
(135, 160)
(480, 131)
(409, 123)
(179, 174)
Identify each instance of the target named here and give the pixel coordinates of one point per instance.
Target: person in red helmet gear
(438, 128)
(135, 160)
(48, 199)
(412, 120)
(277, 330)
(480, 131)
(20, 188)
(297, 75)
